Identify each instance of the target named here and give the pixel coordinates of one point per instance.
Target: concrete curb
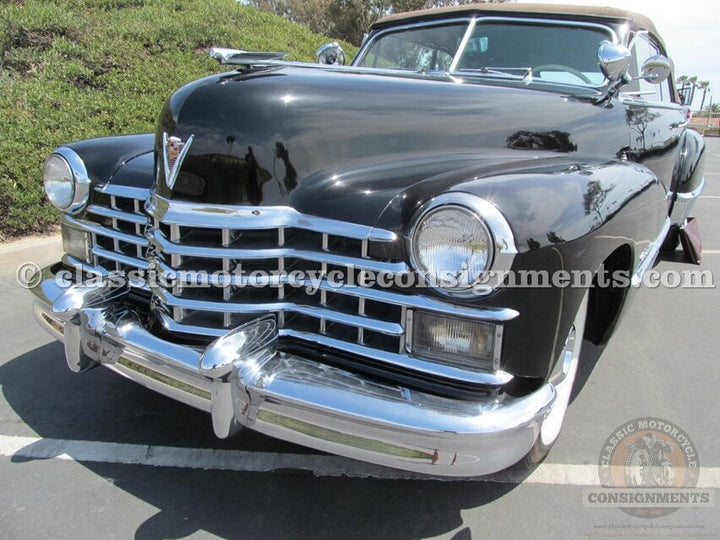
(40, 250)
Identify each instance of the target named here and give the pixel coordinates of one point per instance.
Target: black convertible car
(396, 260)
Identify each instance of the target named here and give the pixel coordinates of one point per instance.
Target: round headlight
(66, 181)
(451, 247)
(59, 182)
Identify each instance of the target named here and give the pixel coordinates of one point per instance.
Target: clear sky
(690, 28)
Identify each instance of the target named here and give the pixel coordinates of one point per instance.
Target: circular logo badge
(648, 453)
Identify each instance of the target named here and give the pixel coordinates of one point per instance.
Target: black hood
(323, 140)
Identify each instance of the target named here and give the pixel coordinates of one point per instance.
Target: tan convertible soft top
(637, 20)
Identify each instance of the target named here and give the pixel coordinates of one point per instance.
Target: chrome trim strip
(104, 231)
(218, 216)
(81, 179)
(159, 239)
(388, 328)
(126, 192)
(463, 44)
(104, 211)
(155, 375)
(120, 257)
(650, 255)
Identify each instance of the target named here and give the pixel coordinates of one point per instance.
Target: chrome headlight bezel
(79, 176)
(502, 248)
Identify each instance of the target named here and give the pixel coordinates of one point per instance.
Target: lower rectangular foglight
(76, 242)
(454, 342)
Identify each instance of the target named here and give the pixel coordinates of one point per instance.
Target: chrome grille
(279, 242)
(116, 221)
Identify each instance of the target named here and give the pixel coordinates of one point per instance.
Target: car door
(655, 117)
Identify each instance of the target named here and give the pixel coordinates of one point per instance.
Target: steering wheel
(561, 67)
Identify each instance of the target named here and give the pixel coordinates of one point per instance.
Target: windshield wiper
(500, 72)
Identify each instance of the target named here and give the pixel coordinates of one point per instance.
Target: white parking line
(711, 251)
(710, 196)
(245, 461)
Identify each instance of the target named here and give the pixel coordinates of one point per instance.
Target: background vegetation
(75, 69)
(348, 19)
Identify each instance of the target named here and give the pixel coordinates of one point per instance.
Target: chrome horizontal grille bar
(260, 308)
(107, 232)
(218, 216)
(166, 246)
(120, 258)
(117, 214)
(125, 192)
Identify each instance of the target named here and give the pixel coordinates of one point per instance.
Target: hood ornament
(174, 151)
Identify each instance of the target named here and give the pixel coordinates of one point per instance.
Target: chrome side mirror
(656, 69)
(331, 54)
(614, 60)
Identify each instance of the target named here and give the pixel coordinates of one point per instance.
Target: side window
(643, 49)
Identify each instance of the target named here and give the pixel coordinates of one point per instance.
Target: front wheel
(563, 378)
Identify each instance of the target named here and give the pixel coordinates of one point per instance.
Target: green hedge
(76, 69)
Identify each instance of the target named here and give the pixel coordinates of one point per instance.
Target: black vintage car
(339, 256)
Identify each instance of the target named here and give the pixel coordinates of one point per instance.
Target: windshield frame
(472, 23)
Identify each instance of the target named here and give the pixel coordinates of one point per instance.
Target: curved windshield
(425, 48)
(558, 53)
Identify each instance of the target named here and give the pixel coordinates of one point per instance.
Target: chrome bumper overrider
(293, 398)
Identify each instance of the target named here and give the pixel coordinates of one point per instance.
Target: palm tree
(703, 85)
(686, 89)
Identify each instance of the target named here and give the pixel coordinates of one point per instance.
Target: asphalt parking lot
(95, 455)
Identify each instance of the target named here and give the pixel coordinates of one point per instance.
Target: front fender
(106, 157)
(565, 215)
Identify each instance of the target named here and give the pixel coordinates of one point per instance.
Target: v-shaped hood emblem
(174, 151)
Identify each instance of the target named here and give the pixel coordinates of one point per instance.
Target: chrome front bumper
(297, 399)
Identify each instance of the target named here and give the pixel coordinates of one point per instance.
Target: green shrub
(76, 69)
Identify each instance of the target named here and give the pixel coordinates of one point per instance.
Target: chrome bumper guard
(243, 381)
